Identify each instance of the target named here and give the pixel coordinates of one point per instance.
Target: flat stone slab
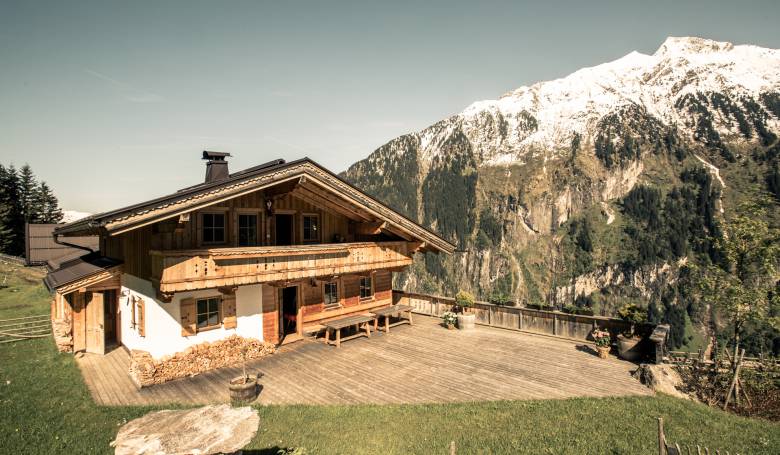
(206, 430)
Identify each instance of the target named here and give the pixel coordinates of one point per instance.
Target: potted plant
(465, 302)
(603, 342)
(628, 342)
(243, 389)
(449, 318)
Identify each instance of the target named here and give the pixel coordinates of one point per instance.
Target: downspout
(72, 245)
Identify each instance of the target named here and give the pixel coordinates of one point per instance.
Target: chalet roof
(79, 269)
(304, 172)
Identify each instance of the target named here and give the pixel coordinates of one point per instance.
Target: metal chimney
(216, 167)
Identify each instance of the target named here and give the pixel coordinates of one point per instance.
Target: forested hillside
(605, 187)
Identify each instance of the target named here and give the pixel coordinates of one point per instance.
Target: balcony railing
(182, 270)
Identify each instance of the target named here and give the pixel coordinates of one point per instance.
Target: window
(208, 313)
(331, 293)
(311, 228)
(366, 287)
(247, 230)
(213, 228)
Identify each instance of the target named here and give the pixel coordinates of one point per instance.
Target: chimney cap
(215, 156)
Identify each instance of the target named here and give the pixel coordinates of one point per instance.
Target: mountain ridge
(557, 185)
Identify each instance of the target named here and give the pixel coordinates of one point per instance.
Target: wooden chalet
(270, 252)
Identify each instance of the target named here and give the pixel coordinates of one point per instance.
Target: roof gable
(308, 178)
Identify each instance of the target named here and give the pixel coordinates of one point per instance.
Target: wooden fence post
(555, 323)
(661, 437)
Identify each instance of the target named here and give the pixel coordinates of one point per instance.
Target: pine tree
(12, 231)
(50, 211)
(28, 189)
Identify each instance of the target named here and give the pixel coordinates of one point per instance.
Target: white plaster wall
(162, 326)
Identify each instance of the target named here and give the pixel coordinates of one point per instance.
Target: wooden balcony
(183, 270)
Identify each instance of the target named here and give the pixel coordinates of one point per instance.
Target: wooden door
(76, 301)
(96, 337)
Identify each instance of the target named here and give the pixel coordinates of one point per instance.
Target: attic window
(213, 228)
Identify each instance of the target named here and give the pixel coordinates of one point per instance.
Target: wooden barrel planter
(243, 390)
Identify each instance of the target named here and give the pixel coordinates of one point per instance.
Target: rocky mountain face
(608, 176)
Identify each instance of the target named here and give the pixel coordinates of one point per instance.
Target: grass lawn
(46, 408)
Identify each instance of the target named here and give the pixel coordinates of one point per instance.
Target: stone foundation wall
(62, 329)
(146, 371)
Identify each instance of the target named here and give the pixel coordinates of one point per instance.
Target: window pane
(213, 319)
(202, 306)
(219, 234)
(219, 220)
(213, 305)
(208, 220)
(202, 320)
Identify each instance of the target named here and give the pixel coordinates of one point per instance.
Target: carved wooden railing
(181, 270)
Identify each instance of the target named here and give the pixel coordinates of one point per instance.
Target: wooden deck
(423, 363)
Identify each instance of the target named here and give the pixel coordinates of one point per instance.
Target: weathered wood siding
(314, 311)
(556, 323)
(133, 247)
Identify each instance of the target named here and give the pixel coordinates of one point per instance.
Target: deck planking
(423, 363)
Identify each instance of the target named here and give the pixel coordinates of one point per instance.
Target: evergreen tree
(28, 189)
(50, 211)
(12, 221)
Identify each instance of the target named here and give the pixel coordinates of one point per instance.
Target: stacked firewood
(196, 359)
(63, 338)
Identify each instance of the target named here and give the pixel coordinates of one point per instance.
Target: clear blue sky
(112, 102)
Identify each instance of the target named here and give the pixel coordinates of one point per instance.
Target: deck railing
(180, 270)
(565, 325)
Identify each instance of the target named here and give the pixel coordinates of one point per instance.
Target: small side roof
(79, 269)
(304, 172)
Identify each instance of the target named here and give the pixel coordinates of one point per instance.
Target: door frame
(291, 214)
(298, 309)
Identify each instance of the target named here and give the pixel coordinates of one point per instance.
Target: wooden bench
(356, 320)
(393, 311)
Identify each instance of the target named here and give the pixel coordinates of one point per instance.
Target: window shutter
(188, 317)
(229, 311)
(133, 317)
(141, 318)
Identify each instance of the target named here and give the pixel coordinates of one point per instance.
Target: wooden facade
(317, 247)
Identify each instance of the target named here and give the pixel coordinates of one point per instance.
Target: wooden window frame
(259, 231)
(202, 227)
(304, 215)
(218, 325)
(372, 294)
(337, 304)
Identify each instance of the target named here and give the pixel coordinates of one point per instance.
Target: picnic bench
(393, 311)
(356, 321)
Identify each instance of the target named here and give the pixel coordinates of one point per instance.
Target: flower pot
(629, 348)
(603, 351)
(243, 390)
(466, 321)
(450, 326)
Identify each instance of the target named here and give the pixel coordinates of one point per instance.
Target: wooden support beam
(164, 297)
(398, 233)
(227, 290)
(371, 228)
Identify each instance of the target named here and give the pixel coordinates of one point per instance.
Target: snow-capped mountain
(502, 177)
(654, 84)
(69, 216)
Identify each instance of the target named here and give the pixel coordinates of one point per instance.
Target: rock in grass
(206, 430)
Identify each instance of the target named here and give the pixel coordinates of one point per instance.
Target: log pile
(63, 336)
(196, 359)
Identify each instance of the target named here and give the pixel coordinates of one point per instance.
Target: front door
(95, 329)
(284, 229)
(288, 302)
(110, 317)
